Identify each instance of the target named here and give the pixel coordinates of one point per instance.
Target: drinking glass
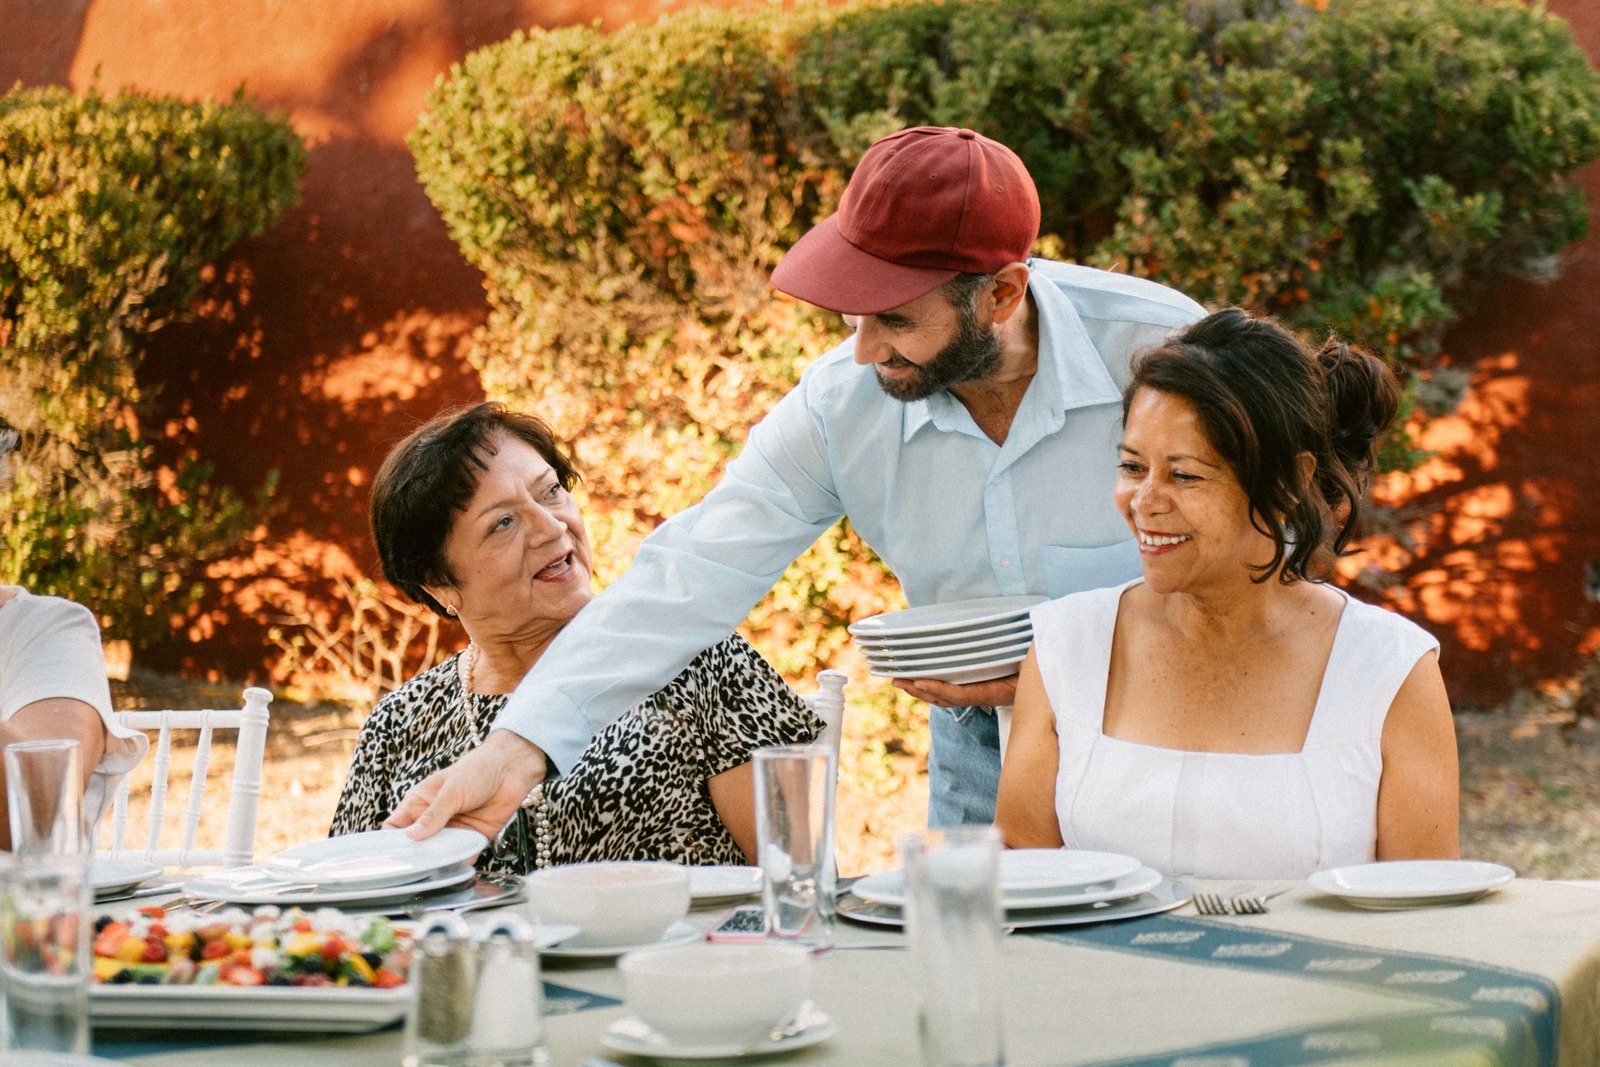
(794, 840)
(952, 913)
(45, 901)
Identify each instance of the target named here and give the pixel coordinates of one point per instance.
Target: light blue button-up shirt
(951, 513)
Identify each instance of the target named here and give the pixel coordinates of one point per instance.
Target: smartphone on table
(747, 922)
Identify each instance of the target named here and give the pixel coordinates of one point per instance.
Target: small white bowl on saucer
(716, 994)
(621, 902)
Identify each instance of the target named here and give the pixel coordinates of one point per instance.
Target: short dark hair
(429, 478)
(961, 292)
(1264, 398)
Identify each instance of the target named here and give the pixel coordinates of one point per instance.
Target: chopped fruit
(267, 948)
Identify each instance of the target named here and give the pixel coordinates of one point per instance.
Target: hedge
(110, 209)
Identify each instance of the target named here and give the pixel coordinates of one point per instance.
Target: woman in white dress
(1228, 714)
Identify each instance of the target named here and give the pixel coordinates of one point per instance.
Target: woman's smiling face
(1182, 500)
(520, 552)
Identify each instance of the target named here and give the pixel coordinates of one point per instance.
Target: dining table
(1512, 977)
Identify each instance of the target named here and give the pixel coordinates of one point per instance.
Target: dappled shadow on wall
(312, 351)
(1505, 520)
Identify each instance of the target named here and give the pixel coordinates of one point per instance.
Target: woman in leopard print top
(473, 518)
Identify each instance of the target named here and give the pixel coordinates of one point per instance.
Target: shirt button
(1005, 561)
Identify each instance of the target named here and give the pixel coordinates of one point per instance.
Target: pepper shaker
(443, 974)
(508, 1008)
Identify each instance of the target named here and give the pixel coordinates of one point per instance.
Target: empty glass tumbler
(794, 840)
(953, 913)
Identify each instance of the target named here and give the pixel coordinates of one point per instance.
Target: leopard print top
(639, 789)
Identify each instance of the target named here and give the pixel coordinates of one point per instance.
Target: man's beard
(972, 353)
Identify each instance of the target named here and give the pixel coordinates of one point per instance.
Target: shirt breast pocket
(1072, 569)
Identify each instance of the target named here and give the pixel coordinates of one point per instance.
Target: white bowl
(623, 902)
(707, 994)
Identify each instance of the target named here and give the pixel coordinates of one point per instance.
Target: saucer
(1397, 884)
(677, 933)
(636, 1037)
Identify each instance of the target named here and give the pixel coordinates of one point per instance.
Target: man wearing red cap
(968, 429)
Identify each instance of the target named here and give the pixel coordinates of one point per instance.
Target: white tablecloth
(1512, 978)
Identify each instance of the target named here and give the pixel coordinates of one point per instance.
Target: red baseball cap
(924, 205)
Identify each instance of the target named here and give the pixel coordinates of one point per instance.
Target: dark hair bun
(1363, 399)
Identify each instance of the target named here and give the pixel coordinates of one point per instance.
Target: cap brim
(826, 270)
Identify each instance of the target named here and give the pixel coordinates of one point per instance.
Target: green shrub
(1355, 169)
(110, 209)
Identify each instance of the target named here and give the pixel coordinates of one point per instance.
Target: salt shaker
(508, 1009)
(443, 972)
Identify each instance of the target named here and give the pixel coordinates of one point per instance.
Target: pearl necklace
(471, 665)
(534, 804)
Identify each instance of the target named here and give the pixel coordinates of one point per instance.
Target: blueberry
(146, 979)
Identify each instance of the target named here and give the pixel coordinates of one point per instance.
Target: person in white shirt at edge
(1229, 714)
(53, 685)
(966, 429)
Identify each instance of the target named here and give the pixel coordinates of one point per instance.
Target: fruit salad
(266, 946)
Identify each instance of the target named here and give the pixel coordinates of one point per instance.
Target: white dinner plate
(1165, 896)
(959, 658)
(715, 885)
(994, 632)
(246, 885)
(942, 618)
(304, 1009)
(889, 888)
(31, 1058)
(375, 858)
(676, 934)
(636, 1037)
(109, 874)
(1001, 667)
(1395, 884)
(957, 675)
(945, 651)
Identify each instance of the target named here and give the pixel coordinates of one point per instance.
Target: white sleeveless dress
(1219, 814)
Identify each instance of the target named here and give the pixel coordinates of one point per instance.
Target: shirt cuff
(557, 727)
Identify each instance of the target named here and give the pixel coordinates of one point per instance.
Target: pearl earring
(450, 611)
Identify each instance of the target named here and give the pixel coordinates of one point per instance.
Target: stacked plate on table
(1040, 887)
(363, 871)
(960, 642)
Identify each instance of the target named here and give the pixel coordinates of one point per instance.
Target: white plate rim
(273, 1007)
(966, 659)
(984, 610)
(1166, 896)
(453, 876)
(1139, 882)
(824, 1028)
(1491, 876)
(141, 871)
(728, 883)
(1112, 866)
(678, 933)
(445, 849)
(994, 632)
(959, 675)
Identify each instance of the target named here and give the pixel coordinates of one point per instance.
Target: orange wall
(325, 339)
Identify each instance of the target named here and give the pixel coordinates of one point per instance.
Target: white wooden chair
(828, 703)
(244, 793)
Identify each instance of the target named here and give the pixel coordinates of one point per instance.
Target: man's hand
(946, 695)
(480, 791)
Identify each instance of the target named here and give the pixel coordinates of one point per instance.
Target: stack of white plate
(960, 642)
(355, 869)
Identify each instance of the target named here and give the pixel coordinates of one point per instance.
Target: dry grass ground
(1530, 793)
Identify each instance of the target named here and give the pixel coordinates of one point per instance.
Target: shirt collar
(1071, 373)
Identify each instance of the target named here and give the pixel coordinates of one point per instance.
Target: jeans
(963, 765)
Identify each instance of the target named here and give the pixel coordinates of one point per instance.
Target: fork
(1211, 904)
(1252, 904)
